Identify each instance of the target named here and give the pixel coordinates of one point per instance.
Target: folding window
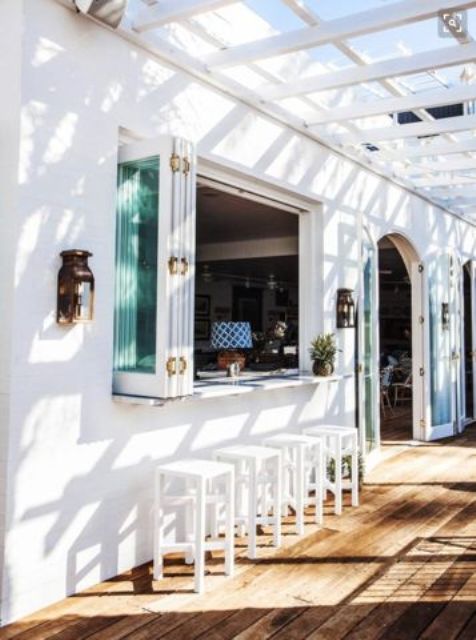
(155, 262)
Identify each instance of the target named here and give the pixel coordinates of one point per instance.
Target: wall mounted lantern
(445, 315)
(345, 309)
(75, 288)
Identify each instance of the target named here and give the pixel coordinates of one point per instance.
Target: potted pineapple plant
(323, 352)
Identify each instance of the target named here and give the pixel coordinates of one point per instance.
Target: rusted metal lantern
(75, 288)
(345, 309)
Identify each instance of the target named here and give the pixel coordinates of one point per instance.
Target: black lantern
(445, 315)
(345, 309)
(75, 288)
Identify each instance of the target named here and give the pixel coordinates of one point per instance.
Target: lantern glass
(75, 288)
(345, 309)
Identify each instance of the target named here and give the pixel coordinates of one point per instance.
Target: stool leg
(214, 514)
(285, 482)
(252, 509)
(338, 476)
(355, 472)
(200, 537)
(299, 489)
(240, 496)
(230, 525)
(278, 501)
(319, 473)
(189, 518)
(158, 529)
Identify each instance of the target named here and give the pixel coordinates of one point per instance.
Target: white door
(155, 257)
(444, 347)
(420, 351)
(367, 370)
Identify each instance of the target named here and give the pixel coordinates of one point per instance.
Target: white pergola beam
(433, 149)
(351, 26)
(395, 67)
(396, 105)
(466, 164)
(173, 10)
(301, 9)
(444, 182)
(416, 129)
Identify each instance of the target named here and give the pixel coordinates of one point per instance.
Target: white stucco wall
(80, 466)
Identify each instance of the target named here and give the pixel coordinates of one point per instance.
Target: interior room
(395, 330)
(247, 285)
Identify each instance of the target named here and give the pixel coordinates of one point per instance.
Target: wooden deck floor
(401, 566)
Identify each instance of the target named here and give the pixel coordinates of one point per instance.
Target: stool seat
(246, 452)
(330, 428)
(290, 439)
(195, 468)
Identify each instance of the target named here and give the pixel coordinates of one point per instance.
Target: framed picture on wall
(202, 305)
(202, 329)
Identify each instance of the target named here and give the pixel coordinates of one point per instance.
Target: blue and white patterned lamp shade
(231, 335)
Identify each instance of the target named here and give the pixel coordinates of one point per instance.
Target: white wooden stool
(303, 471)
(339, 442)
(200, 479)
(258, 474)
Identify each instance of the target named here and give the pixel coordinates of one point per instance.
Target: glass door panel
(441, 382)
(367, 335)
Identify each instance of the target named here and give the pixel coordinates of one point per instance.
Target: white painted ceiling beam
(173, 10)
(455, 193)
(395, 67)
(396, 105)
(444, 182)
(433, 149)
(465, 164)
(303, 11)
(350, 26)
(397, 132)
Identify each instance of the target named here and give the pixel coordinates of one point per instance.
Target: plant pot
(322, 368)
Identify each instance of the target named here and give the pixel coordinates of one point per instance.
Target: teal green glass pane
(370, 427)
(136, 266)
(369, 319)
(440, 347)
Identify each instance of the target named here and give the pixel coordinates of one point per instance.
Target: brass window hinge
(421, 319)
(422, 423)
(171, 367)
(173, 265)
(422, 371)
(183, 365)
(185, 266)
(175, 162)
(186, 165)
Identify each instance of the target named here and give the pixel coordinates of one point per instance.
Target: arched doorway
(407, 336)
(395, 338)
